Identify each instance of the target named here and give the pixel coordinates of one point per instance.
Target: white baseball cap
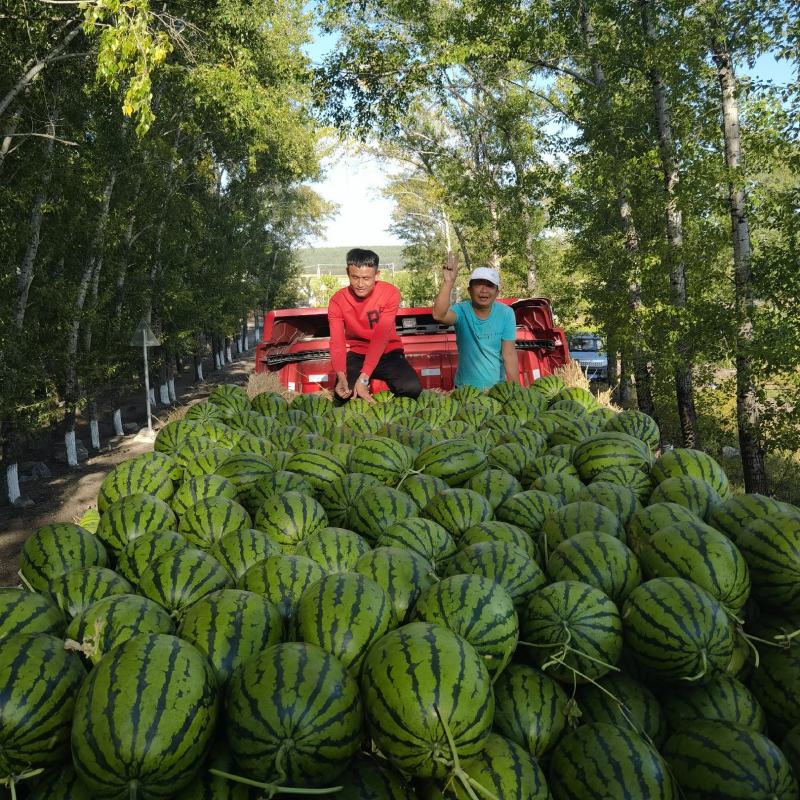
(486, 274)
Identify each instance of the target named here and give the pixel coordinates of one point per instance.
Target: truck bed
(296, 346)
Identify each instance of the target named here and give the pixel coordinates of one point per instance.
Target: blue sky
(354, 181)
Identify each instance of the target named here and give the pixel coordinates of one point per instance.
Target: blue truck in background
(587, 349)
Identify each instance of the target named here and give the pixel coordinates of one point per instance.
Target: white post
(118, 430)
(12, 481)
(172, 396)
(71, 449)
(163, 392)
(95, 433)
(199, 370)
(147, 386)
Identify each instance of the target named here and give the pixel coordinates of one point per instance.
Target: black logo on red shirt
(372, 318)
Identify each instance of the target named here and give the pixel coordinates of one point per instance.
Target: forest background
(156, 162)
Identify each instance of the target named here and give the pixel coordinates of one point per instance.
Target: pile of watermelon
(477, 596)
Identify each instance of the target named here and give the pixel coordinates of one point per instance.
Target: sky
(354, 181)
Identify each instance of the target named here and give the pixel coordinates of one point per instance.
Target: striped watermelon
(502, 562)
(338, 497)
(545, 423)
(229, 396)
(205, 462)
(258, 424)
(618, 699)
(113, 620)
(281, 580)
(422, 488)
(676, 630)
(561, 485)
(195, 489)
(528, 510)
(290, 517)
(371, 778)
(575, 431)
(23, 612)
(531, 440)
(240, 550)
(598, 559)
(279, 458)
(655, 517)
(453, 461)
(378, 507)
(319, 424)
(694, 464)
(191, 448)
(502, 769)
(305, 441)
(283, 438)
(775, 684)
(565, 451)
(620, 500)
(511, 457)
(496, 485)
(630, 477)
(505, 391)
(56, 549)
(344, 614)
(174, 434)
(791, 748)
(73, 592)
(474, 414)
(249, 444)
(610, 449)
(694, 493)
(139, 554)
(63, 784)
(384, 459)
(316, 405)
(483, 438)
(464, 394)
(570, 406)
(90, 520)
(411, 684)
(549, 465)
(39, 680)
(422, 536)
(575, 518)
(721, 698)
(710, 758)
(178, 579)
(316, 467)
(231, 626)
(701, 554)
(578, 395)
(133, 516)
(243, 469)
(531, 708)
(203, 411)
(477, 609)
(456, 510)
(548, 386)
(575, 631)
(218, 432)
(307, 738)
(270, 404)
(601, 760)
(638, 424)
(402, 573)
(208, 786)
(137, 476)
(496, 531)
(505, 424)
(364, 425)
(771, 547)
(275, 483)
(155, 752)
(736, 513)
(208, 520)
(334, 549)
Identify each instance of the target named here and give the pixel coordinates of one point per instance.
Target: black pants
(392, 369)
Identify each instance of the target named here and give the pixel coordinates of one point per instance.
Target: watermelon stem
(702, 672)
(271, 788)
(407, 474)
(13, 780)
(25, 581)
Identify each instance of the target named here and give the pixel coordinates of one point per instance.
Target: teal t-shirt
(479, 342)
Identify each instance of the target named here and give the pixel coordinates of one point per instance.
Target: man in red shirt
(364, 341)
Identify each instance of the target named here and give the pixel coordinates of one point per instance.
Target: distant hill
(331, 259)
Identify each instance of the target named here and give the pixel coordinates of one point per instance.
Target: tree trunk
(747, 411)
(674, 254)
(8, 138)
(625, 398)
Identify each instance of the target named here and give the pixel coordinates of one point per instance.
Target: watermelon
(474, 414)
(159, 749)
(205, 462)
(621, 501)
(609, 449)
(56, 549)
(384, 459)
(733, 515)
(175, 433)
(344, 614)
(140, 553)
(570, 406)
(231, 626)
(308, 736)
(456, 510)
(575, 431)
(290, 517)
(243, 469)
(132, 516)
(115, 619)
(652, 518)
(699, 553)
(62, 784)
(548, 386)
(334, 549)
(496, 485)
(638, 424)
(694, 464)
(598, 559)
(531, 708)
(270, 404)
(411, 684)
(378, 507)
(137, 476)
(791, 748)
(528, 510)
(685, 490)
(775, 685)
(676, 630)
(249, 445)
(477, 609)
(602, 760)
(574, 631)
(578, 395)
(402, 573)
(565, 451)
(562, 486)
(73, 592)
(578, 517)
(23, 612)
(502, 562)
(39, 680)
(710, 758)
(208, 520)
(550, 465)
(208, 786)
(497, 531)
(338, 497)
(372, 778)
(631, 477)
(511, 457)
(254, 495)
(281, 580)
(422, 536)
(195, 489)
(180, 578)
(240, 550)
(316, 467)
(453, 461)
(422, 488)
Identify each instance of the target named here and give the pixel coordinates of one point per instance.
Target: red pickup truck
(296, 346)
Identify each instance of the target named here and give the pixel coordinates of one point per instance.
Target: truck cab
(587, 349)
(296, 346)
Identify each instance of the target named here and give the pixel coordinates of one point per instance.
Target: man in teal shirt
(485, 330)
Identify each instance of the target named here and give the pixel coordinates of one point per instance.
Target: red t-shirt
(365, 326)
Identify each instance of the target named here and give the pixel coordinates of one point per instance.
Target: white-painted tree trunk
(199, 371)
(94, 430)
(12, 481)
(71, 449)
(118, 430)
(218, 360)
(152, 397)
(163, 393)
(172, 396)
(228, 354)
